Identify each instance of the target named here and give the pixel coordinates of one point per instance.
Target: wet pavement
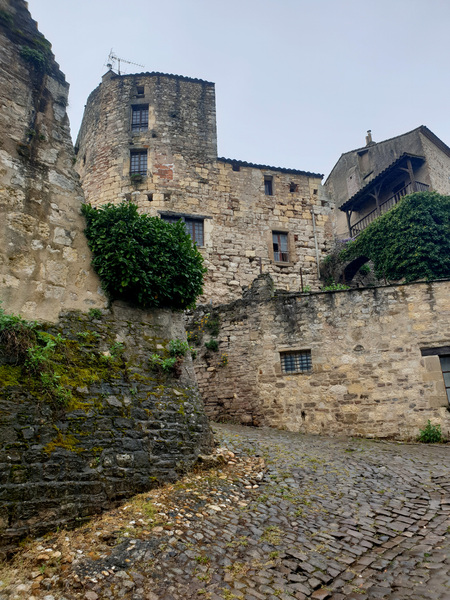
(291, 516)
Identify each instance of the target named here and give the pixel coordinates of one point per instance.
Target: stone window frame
(138, 126)
(290, 246)
(190, 222)
(137, 166)
(268, 185)
(434, 363)
(299, 359)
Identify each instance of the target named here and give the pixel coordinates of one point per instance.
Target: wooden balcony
(360, 225)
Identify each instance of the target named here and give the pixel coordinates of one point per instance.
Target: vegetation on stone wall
(409, 242)
(143, 259)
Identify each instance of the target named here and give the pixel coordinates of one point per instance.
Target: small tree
(409, 242)
(143, 259)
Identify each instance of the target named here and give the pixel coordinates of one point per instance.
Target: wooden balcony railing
(360, 225)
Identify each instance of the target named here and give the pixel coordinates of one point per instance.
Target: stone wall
(44, 259)
(368, 375)
(185, 179)
(124, 429)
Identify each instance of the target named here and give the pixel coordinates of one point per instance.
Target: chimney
(369, 137)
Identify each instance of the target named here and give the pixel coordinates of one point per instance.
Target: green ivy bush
(409, 242)
(143, 259)
(431, 434)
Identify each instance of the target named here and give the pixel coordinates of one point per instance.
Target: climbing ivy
(143, 259)
(409, 242)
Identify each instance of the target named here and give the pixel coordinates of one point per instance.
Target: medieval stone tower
(151, 138)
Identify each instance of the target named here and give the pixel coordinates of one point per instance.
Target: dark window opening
(315, 192)
(194, 227)
(140, 90)
(138, 162)
(166, 197)
(280, 246)
(150, 197)
(298, 361)
(236, 167)
(268, 186)
(445, 366)
(293, 187)
(139, 117)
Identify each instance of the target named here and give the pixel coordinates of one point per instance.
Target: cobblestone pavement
(323, 518)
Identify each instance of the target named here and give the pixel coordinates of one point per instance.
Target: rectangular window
(445, 366)
(194, 227)
(139, 117)
(268, 186)
(298, 361)
(138, 162)
(280, 246)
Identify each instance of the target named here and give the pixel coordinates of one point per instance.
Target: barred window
(445, 366)
(139, 117)
(268, 186)
(280, 246)
(298, 361)
(194, 227)
(138, 162)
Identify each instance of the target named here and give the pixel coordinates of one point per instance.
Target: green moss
(9, 375)
(66, 441)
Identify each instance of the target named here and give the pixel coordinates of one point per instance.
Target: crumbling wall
(368, 375)
(44, 259)
(124, 429)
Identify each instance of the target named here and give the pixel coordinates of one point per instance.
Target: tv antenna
(114, 62)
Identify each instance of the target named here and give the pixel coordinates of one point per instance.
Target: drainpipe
(315, 242)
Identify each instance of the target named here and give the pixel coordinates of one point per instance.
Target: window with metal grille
(268, 186)
(280, 246)
(298, 361)
(194, 227)
(138, 162)
(139, 117)
(445, 366)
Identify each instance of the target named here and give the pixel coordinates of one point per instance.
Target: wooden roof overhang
(406, 162)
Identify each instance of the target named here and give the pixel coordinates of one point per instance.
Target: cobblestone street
(317, 517)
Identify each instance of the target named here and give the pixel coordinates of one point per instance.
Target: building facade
(151, 139)
(368, 181)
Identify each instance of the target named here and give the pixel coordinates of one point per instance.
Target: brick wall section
(184, 176)
(123, 436)
(368, 376)
(45, 264)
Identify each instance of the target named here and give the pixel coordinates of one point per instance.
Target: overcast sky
(298, 82)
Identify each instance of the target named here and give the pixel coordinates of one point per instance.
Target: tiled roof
(242, 163)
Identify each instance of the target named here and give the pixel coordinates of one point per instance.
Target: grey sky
(298, 82)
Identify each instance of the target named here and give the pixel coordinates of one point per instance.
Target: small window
(138, 162)
(268, 186)
(139, 117)
(293, 187)
(445, 366)
(194, 227)
(236, 167)
(150, 197)
(140, 90)
(280, 246)
(298, 361)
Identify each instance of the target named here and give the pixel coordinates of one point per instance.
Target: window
(138, 162)
(280, 246)
(236, 167)
(140, 90)
(268, 186)
(139, 117)
(194, 227)
(298, 361)
(293, 187)
(445, 366)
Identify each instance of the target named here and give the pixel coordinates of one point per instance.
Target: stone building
(367, 182)
(151, 138)
(372, 362)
